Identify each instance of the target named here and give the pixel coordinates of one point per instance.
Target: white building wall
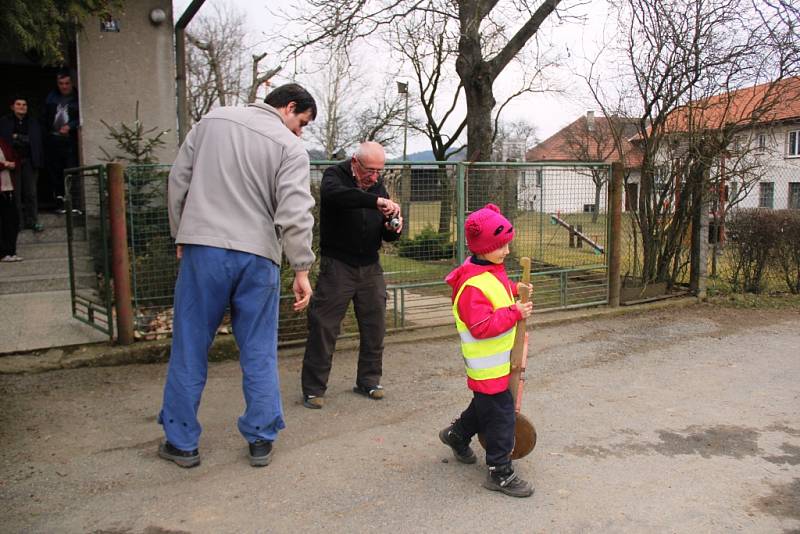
(780, 168)
(118, 69)
(558, 190)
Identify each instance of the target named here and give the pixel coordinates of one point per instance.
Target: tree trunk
(477, 78)
(480, 102)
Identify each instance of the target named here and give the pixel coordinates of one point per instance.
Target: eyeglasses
(368, 170)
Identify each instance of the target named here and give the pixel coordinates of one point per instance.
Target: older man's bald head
(370, 150)
(368, 162)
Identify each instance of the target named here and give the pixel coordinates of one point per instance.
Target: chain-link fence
(559, 212)
(755, 234)
(154, 265)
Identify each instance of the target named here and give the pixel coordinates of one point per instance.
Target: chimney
(590, 120)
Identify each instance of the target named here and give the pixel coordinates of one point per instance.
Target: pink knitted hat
(487, 230)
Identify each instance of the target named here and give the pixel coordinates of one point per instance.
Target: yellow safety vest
(489, 357)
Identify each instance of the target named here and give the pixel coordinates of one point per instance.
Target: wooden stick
(519, 351)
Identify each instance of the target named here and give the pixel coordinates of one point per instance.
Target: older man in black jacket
(356, 216)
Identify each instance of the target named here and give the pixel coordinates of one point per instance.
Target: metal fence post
(460, 215)
(120, 263)
(615, 232)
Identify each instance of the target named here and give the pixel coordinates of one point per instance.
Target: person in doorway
(486, 317)
(61, 140)
(356, 215)
(9, 215)
(25, 138)
(239, 196)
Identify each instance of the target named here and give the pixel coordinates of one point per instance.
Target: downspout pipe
(180, 66)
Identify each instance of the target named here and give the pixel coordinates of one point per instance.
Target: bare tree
(484, 49)
(687, 61)
(217, 63)
(214, 60)
(426, 43)
(346, 118)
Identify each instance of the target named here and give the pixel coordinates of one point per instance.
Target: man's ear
(291, 107)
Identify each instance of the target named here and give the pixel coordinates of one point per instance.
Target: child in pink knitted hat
(486, 315)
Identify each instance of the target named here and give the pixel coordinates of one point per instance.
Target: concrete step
(38, 283)
(34, 251)
(54, 220)
(43, 266)
(49, 235)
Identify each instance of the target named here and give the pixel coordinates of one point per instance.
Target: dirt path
(683, 420)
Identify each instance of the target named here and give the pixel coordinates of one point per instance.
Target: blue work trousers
(209, 280)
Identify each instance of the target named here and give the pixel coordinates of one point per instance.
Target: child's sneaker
(461, 449)
(503, 478)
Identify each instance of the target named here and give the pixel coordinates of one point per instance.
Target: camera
(394, 223)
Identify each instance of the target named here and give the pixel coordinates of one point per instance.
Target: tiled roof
(577, 142)
(760, 104)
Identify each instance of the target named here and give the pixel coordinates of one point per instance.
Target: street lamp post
(405, 180)
(402, 88)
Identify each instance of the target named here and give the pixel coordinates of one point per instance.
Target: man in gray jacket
(239, 197)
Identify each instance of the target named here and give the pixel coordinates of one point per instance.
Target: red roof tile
(577, 142)
(759, 104)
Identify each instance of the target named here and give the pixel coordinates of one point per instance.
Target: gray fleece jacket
(241, 182)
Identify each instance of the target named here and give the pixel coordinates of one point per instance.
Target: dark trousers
(337, 285)
(26, 193)
(9, 224)
(494, 417)
(61, 153)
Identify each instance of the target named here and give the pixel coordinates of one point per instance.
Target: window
(538, 177)
(766, 194)
(794, 195)
(794, 144)
(589, 208)
(733, 192)
(762, 141)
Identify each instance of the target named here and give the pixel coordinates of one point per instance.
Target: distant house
(761, 168)
(570, 185)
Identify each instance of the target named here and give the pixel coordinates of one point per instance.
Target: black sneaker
(260, 453)
(504, 478)
(171, 453)
(461, 449)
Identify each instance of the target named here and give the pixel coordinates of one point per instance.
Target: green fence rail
(86, 206)
(559, 213)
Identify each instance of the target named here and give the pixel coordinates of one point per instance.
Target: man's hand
(9, 165)
(179, 251)
(388, 208)
(302, 290)
(64, 130)
(525, 309)
(397, 229)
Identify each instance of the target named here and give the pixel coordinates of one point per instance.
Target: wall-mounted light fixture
(157, 16)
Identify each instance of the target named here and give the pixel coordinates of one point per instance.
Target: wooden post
(615, 232)
(571, 236)
(120, 263)
(579, 244)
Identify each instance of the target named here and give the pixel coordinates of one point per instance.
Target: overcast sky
(549, 113)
